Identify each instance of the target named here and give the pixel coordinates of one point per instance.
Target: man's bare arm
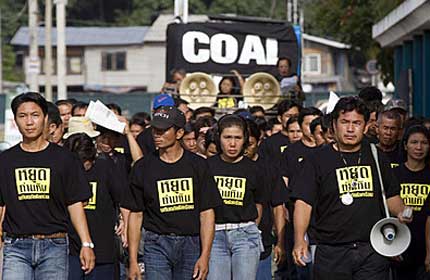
(207, 233)
(302, 216)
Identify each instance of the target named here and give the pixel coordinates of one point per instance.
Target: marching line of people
(182, 195)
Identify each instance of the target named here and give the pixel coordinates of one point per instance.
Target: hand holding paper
(99, 114)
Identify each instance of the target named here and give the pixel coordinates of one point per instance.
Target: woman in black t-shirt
(414, 179)
(237, 244)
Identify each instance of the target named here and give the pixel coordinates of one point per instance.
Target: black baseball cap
(168, 116)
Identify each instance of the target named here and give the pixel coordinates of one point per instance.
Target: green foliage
(351, 22)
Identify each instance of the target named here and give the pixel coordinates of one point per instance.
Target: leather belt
(36, 236)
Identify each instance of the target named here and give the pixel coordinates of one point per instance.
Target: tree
(351, 22)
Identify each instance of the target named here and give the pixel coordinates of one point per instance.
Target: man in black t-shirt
(272, 147)
(41, 185)
(389, 127)
(340, 183)
(174, 196)
(294, 155)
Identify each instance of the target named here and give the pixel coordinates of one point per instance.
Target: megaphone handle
(384, 198)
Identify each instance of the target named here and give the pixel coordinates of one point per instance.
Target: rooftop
(87, 36)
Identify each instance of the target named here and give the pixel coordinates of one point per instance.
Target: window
(312, 63)
(114, 61)
(74, 65)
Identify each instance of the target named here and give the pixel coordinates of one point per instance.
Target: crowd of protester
(189, 194)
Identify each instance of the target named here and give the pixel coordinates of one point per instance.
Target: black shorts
(355, 261)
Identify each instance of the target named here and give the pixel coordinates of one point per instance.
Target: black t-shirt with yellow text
(414, 190)
(37, 187)
(108, 190)
(241, 186)
(346, 198)
(172, 195)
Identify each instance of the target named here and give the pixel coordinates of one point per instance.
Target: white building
(123, 59)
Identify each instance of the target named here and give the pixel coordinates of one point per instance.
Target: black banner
(218, 48)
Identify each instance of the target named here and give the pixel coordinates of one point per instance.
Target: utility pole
(48, 50)
(61, 48)
(181, 10)
(295, 14)
(33, 63)
(289, 11)
(1, 57)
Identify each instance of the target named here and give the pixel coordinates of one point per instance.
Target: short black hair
(286, 105)
(79, 105)
(53, 114)
(179, 101)
(292, 120)
(203, 110)
(210, 137)
(272, 122)
(253, 129)
(65, 102)
(188, 128)
(140, 118)
(82, 145)
(371, 93)
(257, 108)
(314, 124)
(116, 107)
(30, 96)
(203, 122)
(374, 106)
(308, 111)
(325, 122)
(349, 104)
(261, 123)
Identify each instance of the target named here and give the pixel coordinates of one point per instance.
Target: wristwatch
(88, 245)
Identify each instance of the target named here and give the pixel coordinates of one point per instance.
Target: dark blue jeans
(26, 258)
(100, 271)
(170, 257)
(264, 271)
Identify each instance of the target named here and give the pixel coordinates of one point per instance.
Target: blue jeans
(170, 257)
(26, 258)
(235, 254)
(100, 271)
(264, 271)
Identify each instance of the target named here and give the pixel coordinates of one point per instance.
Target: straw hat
(81, 125)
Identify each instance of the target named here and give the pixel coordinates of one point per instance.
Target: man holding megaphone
(341, 187)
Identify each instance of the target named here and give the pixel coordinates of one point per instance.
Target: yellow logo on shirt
(282, 148)
(32, 183)
(414, 195)
(92, 203)
(175, 194)
(227, 102)
(355, 180)
(119, 150)
(232, 189)
(394, 165)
